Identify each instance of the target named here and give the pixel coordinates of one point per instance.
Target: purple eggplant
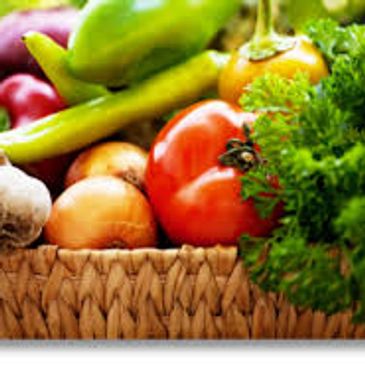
(14, 57)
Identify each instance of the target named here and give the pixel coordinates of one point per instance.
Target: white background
(327, 353)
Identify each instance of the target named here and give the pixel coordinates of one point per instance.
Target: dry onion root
(99, 213)
(25, 205)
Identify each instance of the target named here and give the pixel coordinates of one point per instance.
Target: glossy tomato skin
(196, 199)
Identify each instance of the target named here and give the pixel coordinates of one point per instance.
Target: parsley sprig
(314, 140)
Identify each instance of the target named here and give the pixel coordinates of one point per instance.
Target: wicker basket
(190, 293)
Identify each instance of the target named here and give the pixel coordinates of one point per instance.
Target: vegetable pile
(273, 161)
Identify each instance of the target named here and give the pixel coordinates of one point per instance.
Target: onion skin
(119, 159)
(100, 213)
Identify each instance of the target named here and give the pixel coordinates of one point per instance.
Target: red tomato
(196, 199)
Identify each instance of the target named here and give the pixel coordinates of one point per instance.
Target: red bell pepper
(26, 99)
(196, 198)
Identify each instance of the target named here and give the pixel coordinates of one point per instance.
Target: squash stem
(266, 42)
(265, 22)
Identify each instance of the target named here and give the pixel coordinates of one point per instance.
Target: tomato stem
(266, 42)
(241, 154)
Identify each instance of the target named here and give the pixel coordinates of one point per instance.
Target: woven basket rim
(180, 293)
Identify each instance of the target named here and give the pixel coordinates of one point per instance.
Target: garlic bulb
(25, 206)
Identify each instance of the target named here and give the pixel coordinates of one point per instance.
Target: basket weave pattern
(190, 293)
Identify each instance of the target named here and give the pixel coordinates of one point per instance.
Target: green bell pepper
(119, 42)
(77, 127)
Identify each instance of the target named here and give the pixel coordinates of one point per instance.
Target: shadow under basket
(187, 293)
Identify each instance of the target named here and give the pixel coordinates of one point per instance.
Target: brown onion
(119, 159)
(101, 212)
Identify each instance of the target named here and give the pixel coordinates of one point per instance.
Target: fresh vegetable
(316, 144)
(335, 41)
(120, 42)
(101, 212)
(52, 58)
(269, 52)
(77, 127)
(119, 159)
(195, 195)
(25, 99)
(25, 205)
(14, 57)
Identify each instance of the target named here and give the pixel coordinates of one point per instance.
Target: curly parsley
(314, 140)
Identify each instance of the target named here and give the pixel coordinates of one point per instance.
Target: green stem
(266, 42)
(265, 23)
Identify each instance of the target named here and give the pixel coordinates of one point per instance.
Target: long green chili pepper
(82, 125)
(52, 58)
